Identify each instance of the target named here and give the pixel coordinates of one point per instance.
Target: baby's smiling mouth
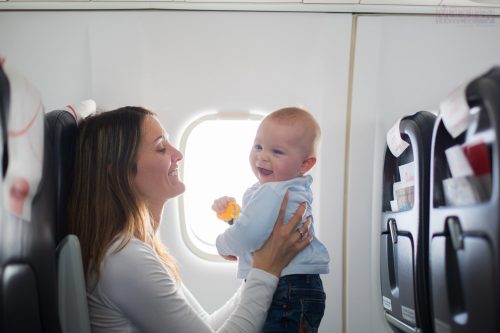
(265, 172)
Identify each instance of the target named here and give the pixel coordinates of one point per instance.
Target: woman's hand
(285, 242)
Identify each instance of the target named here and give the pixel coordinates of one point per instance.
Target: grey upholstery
(42, 286)
(73, 309)
(28, 285)
(62, 131)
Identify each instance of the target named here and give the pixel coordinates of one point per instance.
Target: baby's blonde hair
(292, 116)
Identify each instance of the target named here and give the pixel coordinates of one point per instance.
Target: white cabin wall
(403, 64)
(181, 64)
(51, 50)
(265, 61)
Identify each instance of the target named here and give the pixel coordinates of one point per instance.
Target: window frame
(218, 115)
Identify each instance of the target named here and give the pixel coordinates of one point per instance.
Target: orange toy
(231, 213)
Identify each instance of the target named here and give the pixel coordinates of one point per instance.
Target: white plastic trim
(182, 146)
(309, 6)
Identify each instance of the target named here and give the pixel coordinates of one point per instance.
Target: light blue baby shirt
(259, 211)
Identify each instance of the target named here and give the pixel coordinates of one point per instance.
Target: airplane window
(216, 149)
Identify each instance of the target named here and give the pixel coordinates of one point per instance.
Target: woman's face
(157, 164)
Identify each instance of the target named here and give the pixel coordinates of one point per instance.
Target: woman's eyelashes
(161, 144)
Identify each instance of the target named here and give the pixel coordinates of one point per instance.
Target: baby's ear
(307, 164)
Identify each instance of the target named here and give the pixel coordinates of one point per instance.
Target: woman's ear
(307, 164)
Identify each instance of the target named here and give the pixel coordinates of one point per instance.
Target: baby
(284, 150)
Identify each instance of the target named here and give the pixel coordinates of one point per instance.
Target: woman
(126, 170)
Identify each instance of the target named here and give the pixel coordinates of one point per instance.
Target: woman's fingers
(297, 217)
(281, 215)
(304, 236)
(292, 225)
(304, 229)
(284, 242)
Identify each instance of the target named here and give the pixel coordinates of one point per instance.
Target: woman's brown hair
(104, 205)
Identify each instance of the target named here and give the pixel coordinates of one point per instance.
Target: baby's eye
(277, 152)
(162, 149)
(257, 147)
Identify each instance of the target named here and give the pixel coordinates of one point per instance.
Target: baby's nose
(263, 156)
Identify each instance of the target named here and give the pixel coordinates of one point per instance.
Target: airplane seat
(404, 266)
(73, 307)
(28, 286)
(42, 287)
(62, 128)
(4, 104)
(464, 219)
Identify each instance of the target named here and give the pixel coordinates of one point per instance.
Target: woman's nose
(177, 155)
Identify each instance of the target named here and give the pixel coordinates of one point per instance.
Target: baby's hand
(219, 205)
(227, 209)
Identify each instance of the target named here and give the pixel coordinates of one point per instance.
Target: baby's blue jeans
(298, 305)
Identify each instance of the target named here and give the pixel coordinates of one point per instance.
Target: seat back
(405, 223)
(73, 308)
(464, 217)
(41, 289)
(28, 286)
(62, 130)
(4, 106)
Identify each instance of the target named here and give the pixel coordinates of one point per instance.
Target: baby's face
(278, 152)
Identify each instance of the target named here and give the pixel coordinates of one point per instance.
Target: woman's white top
(136, 293)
